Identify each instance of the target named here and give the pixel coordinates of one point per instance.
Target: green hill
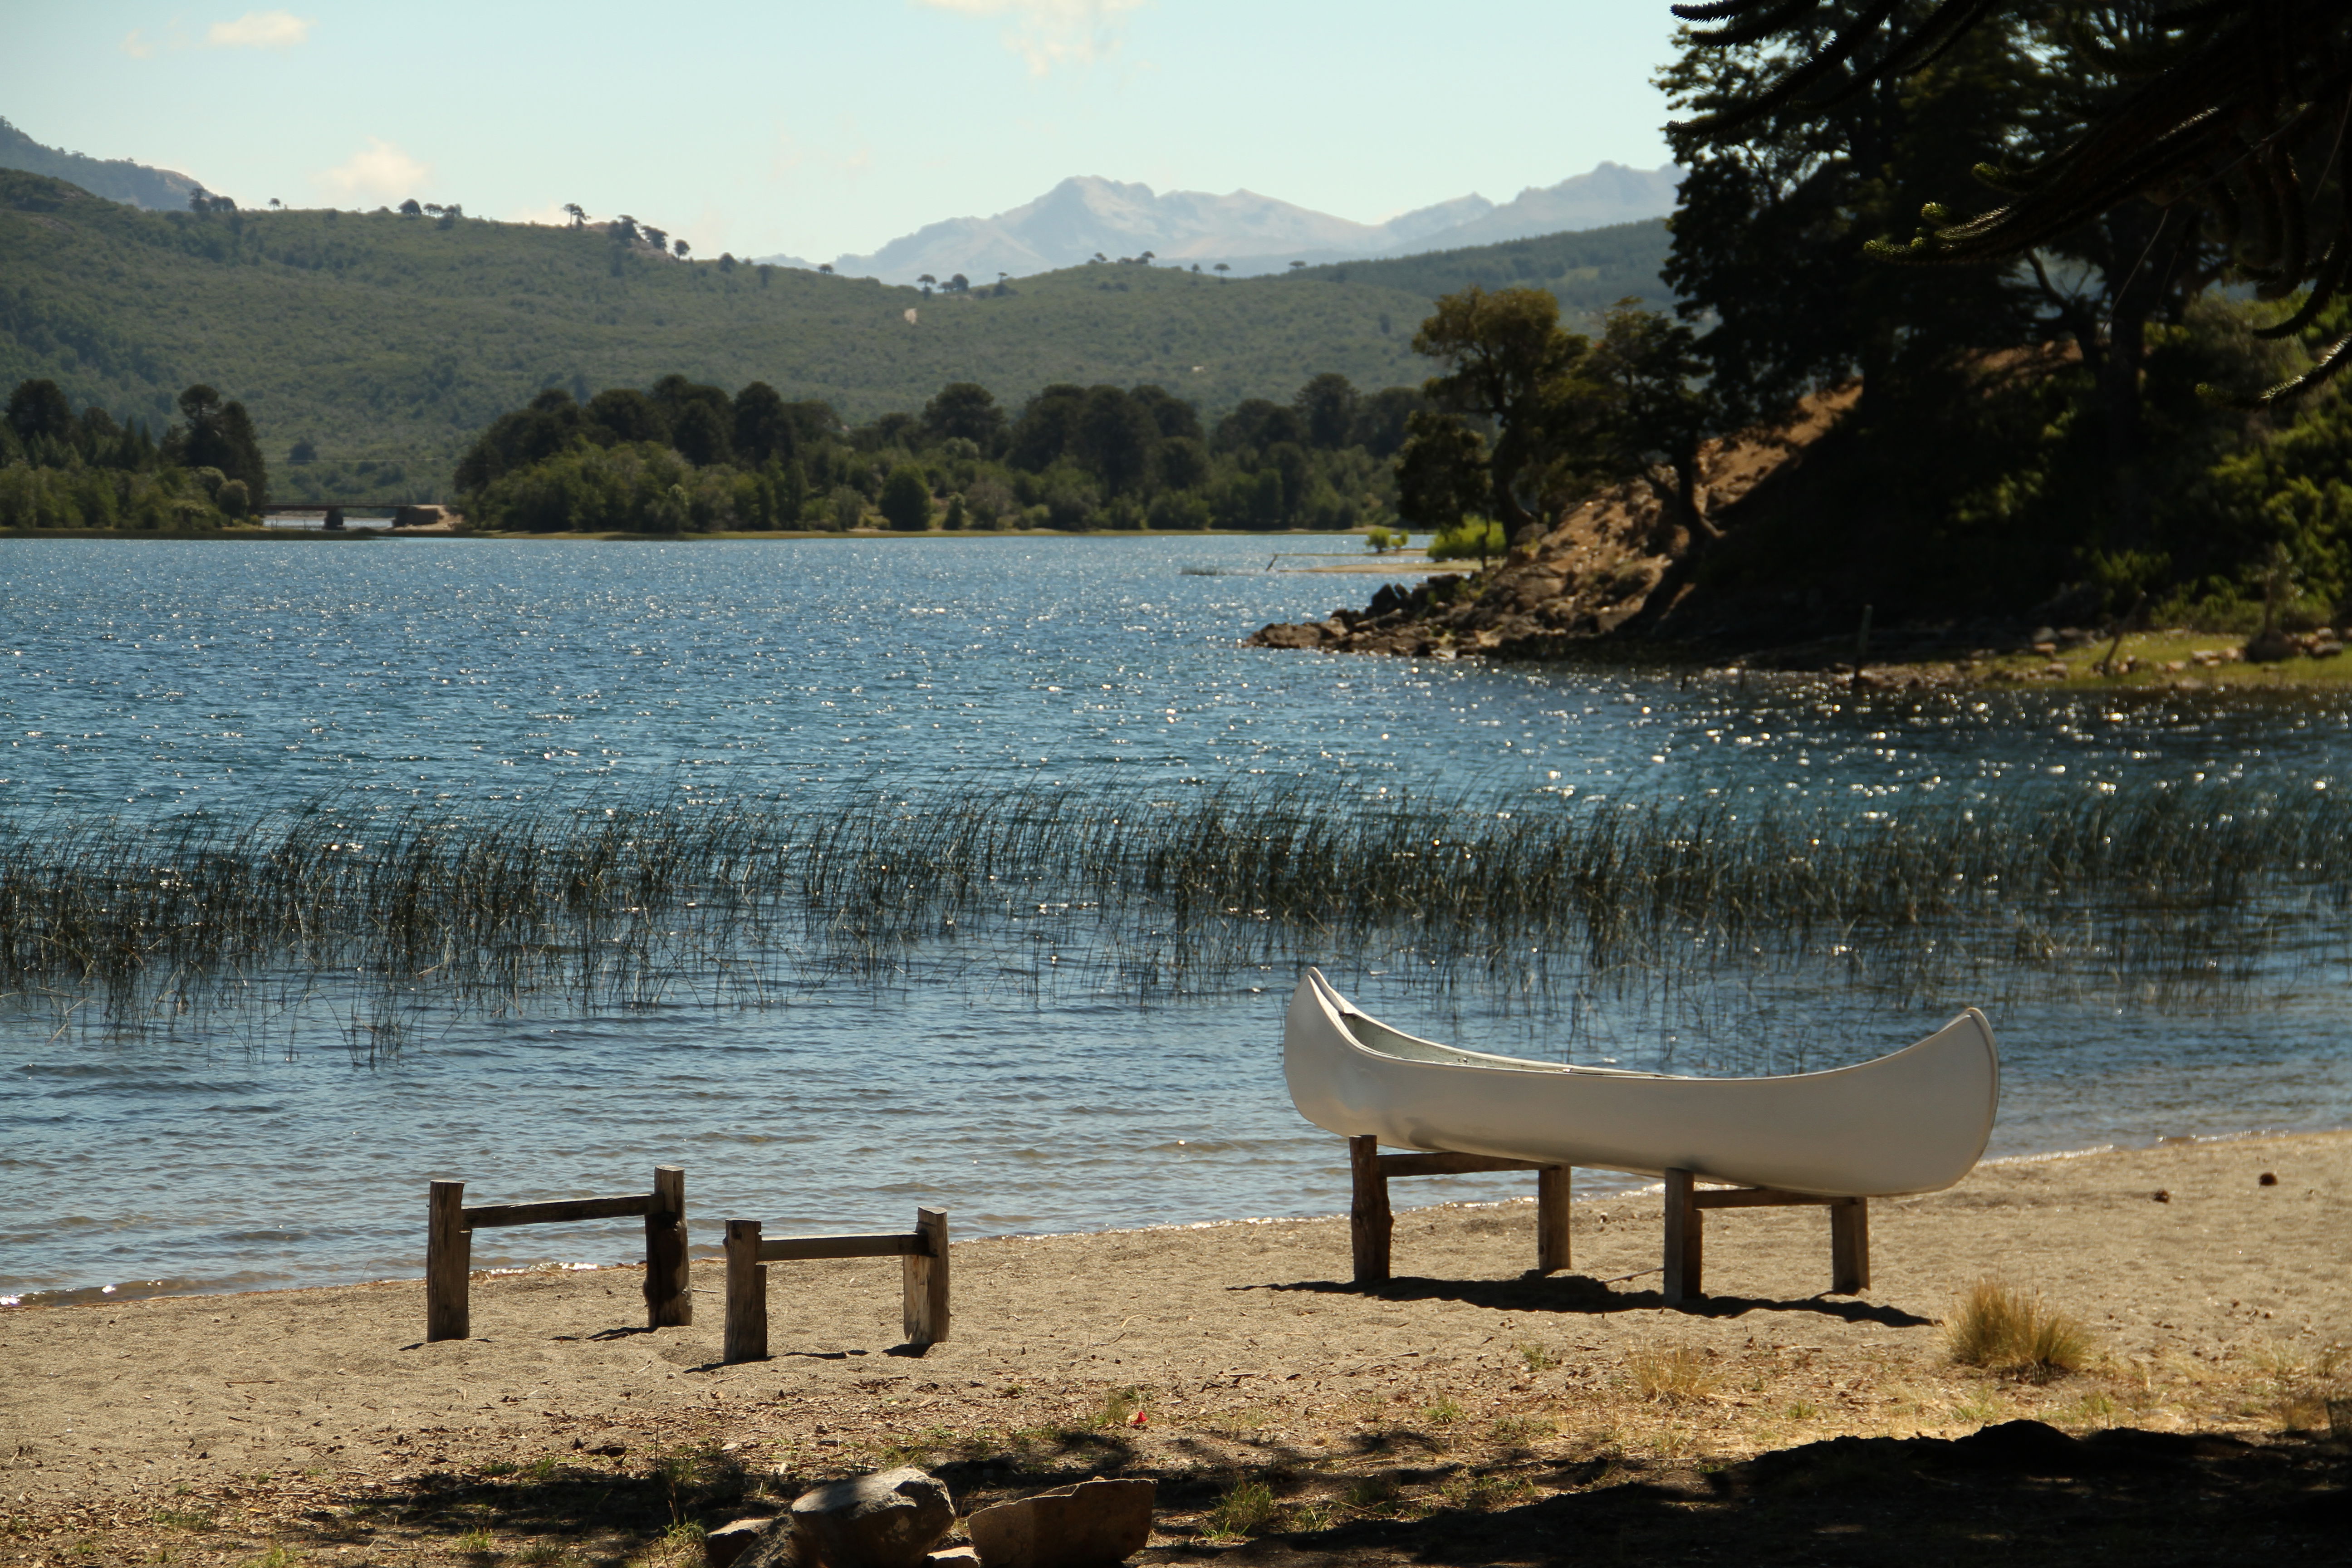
(1588, 271)
(386, 341)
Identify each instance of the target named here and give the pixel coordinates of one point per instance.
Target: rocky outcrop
(1589, 573)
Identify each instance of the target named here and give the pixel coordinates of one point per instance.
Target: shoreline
(125, 1290)
(1464, 1389)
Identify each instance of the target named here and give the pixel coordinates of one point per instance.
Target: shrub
(1473, 536)
(2006, 1331)
(906, 503)
(233, 498)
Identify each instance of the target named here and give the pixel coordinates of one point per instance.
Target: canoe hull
(1915, 1121)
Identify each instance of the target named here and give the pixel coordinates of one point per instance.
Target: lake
(149, 680)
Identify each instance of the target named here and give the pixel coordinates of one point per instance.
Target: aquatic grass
(2169, 895)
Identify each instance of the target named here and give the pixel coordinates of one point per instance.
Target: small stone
(887, 1519)
(1089, 1525)
(2160, 1195)
(723, 1545)
(2267, 1179)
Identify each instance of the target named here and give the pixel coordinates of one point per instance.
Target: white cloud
(1049, 33)
(259, 30)
(137, 48)
(379, 170)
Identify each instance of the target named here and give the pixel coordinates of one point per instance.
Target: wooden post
(925, 1294)
(449, 1264)
(1684, 1241)
(1369, 1222)
(1551, 1219)
(747, 1294)
(1850, 1246)
(668, 1301)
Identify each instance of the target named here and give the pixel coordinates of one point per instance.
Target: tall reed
(1158, 891)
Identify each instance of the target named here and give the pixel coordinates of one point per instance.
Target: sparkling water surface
(143, 678)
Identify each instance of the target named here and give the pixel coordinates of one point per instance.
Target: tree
(40, 408)
(1116, 438)
(929, 283)
(906, 500)
(959, 284)
(763, 429)
(1176, 418)
(578, 213)
(1770, 223)
(625, 414)
(1503, 352)
(825, 267)
(1381, 419)
(965, 409)
(219, 435)
(1046, 428)
(1221, 268)
(700, 433)
(1637, 406)
(657, 238)
(1442, 470)
(412, 208)
(2229, 105)
(1327, 406)
(1258, 423)
(679, 250)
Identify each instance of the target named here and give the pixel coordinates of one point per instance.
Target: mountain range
(116, 179)
(1242, 232)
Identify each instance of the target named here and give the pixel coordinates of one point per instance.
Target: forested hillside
(372, 347)
(1588, 271)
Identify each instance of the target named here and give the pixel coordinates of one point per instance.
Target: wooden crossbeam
(449, 1241)
(487, 1217)
(924, 1293)
(1686, 1204)
(1371, 1224)
(799, 1248)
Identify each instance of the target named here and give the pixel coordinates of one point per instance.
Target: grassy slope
(1588, 271)
(392, 340)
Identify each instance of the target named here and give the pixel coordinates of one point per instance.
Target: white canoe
(1915, 1121)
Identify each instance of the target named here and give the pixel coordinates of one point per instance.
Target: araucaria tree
(1503, 352)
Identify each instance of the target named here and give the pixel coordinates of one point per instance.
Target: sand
(133, 1427)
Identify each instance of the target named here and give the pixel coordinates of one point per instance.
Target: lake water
(143, 678)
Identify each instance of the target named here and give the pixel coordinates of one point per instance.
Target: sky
(823, 127)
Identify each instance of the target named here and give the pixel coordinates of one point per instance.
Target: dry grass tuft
(2006, 1331)
(1673, 1376)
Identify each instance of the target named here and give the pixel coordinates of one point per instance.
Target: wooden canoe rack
(449, 1247)
(1686, 1207)
(1370, 1224)
(924, 1293)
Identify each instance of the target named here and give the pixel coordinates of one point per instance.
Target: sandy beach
(1466, 1412)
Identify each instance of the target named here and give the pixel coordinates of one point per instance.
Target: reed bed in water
(1154, 893)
